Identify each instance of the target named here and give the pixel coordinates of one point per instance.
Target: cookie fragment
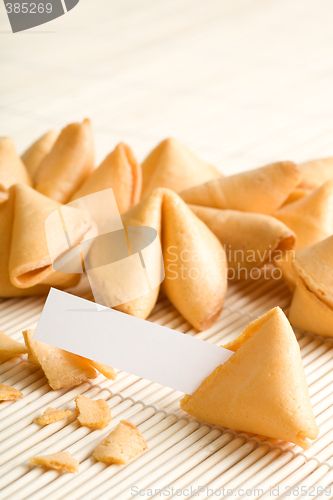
(8, 393)
(61, 368)
(62, 461)
(121, 445)
(52, 415)
(94, 414)
(105, 370)
(9, 347)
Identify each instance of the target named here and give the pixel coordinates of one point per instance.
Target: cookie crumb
(8, 393)
(62, 461)
(121, 445)
(93, 414)
(52, 415)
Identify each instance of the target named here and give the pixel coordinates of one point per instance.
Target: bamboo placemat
(242, 83)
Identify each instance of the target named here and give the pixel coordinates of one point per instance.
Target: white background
(241, 82)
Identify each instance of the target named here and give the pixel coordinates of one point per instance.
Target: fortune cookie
(261, 388)
(173, 166)
(262, 190)
(7, 289)
(30, 261)
(311, 219)
(250, 240)
(312, 304)
(35, 154)
(12, 169)
(119, 171)
(195, 264)
(68, 164)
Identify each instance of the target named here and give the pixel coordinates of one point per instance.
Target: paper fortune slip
(134, 345)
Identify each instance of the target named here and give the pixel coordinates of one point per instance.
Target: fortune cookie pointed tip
(171, 164)
(68, 164)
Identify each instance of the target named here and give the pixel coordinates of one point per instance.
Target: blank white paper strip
(134, 345)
